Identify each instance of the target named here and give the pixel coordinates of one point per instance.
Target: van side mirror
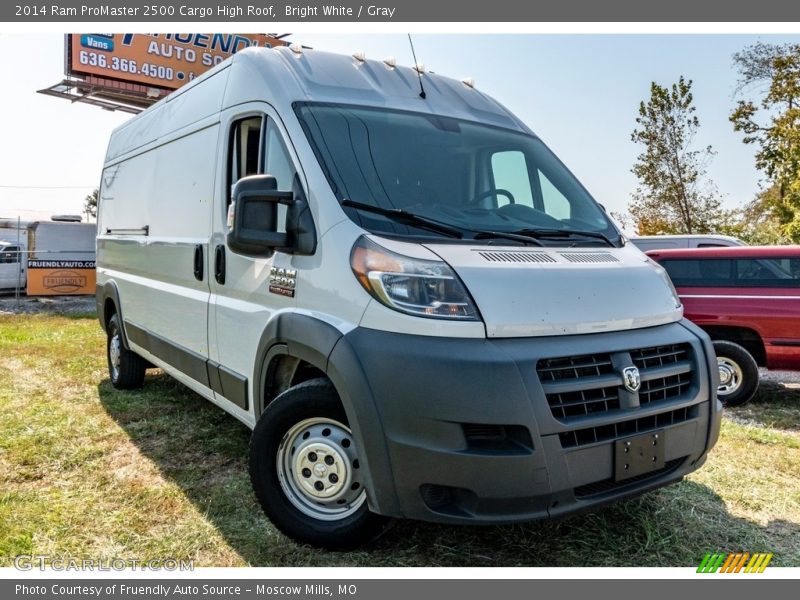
(255, 220)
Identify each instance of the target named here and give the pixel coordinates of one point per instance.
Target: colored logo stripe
(729, 563)
(710, 563)
(734, 562)
(758, 563)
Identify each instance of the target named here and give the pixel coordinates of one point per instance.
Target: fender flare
(109, 290)
(324, 347)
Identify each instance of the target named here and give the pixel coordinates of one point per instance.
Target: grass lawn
(90, 472)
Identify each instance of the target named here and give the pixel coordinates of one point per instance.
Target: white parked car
(645, 243)
(417, 308)
(13, 265)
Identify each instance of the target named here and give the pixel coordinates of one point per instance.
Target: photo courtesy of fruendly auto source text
(409, 299)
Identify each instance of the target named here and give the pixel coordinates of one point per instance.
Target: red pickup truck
(747, 298)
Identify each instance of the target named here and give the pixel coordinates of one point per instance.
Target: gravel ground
(786, 379)
(54, 305)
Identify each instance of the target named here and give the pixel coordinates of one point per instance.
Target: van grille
(660, 355)
(614, 431)
(662, 388)
(590, 384)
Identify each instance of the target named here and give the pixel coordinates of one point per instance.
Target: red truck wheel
(738, 373)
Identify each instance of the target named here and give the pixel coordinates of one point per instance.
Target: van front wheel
(125, 368)
(738, 373)
(305, 469)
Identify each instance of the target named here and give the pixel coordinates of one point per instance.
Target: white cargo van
(413, 303)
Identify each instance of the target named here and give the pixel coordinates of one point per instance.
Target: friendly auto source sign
(61, 277)
(165, 60)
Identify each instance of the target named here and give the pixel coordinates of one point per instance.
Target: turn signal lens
(425, 288)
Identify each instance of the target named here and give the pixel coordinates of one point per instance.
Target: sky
(579, 93)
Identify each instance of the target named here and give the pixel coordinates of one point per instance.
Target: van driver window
(245, 150)
(510, 173)
(279, 164)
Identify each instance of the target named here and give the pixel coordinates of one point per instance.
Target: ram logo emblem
(631, 379)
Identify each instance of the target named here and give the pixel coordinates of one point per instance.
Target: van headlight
(424, 288)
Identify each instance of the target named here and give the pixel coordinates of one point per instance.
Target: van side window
(555, 203)
(510, 173)
(244, 154)
(278, 163)
(10, 255)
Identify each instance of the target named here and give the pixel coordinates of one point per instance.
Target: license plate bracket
(638, 455)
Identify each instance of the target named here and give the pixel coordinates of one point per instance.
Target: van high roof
(282, 76)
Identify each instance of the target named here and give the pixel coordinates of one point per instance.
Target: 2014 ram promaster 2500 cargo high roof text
(416, 307)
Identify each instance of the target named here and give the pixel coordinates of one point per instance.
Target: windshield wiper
(406, 218)
(565, 233)
(516, 236)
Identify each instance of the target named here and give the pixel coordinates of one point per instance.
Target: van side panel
(183, 108)
(169, 190)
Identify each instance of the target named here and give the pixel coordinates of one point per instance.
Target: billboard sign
(164, 61)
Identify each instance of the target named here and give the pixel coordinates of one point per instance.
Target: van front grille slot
(615, 431)
(578, 386)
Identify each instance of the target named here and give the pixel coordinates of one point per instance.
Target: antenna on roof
(417, 67)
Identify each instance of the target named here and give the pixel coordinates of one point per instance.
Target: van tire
(125, 368)
(738, 373)
(308, 420)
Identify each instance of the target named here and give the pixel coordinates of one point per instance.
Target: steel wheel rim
(730, 376)
(319, 471)
(114, 354)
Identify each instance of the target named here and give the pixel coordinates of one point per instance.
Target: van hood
(522, 292)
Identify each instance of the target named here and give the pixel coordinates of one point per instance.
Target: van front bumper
(465, 430)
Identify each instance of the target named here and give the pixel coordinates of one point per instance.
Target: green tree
(674, 194)
(756, 223)
(90, 203)
(773, 125)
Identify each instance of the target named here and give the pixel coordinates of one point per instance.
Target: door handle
(198, 262)
(219, 264)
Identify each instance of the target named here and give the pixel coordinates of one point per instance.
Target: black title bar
(438, 11)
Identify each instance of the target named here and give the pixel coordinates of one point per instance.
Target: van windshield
(470, 176)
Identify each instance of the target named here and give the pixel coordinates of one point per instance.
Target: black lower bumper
(461, 430)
